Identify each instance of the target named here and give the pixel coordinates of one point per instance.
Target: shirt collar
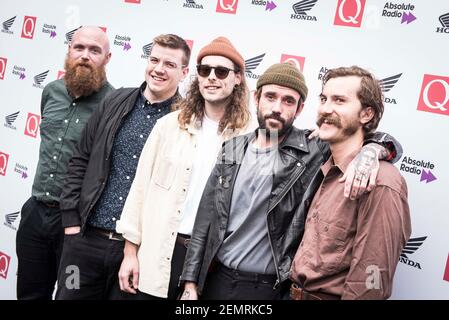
(342, 167)
(163, 104)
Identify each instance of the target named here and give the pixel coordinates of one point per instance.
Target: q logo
(434, 96)
(349, 13)
(29, 25)
(32, 125)
(227, 6)
(297, 61)
(3, 62)
(3, 163)
(4, 264)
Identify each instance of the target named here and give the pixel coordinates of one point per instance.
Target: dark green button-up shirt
(63, 120)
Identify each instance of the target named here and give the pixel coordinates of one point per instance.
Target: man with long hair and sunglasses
(160, 210)
(246, 233)
(103, 168)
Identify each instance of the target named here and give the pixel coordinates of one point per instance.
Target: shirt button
(59, 139)
(184, 190)
(298, 164)
(127, 177)
(66, 120)
(121, 198)
(158, 110)
(148, 117)
(47, 193)
(51, 175)
(54, 157)
(301, 145)
(74, 104)
(141, 136)
(179, 211)
(113, 219)
(134, 156)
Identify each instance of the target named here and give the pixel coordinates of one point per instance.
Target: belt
(297, 293)
(52, 204)
(183, 240)
(111, 235)
(247, 276)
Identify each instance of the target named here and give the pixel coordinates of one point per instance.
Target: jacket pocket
(164, 173)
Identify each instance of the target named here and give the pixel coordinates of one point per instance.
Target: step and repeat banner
(404, 43)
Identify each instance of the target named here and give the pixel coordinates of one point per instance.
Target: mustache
(330, 120)
(274, 116)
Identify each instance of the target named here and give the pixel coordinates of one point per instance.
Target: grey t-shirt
(247, 248)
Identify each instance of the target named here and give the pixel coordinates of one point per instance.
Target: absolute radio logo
(387, 84)
(10, 119)
(399, 11)
(3, 163)
(28, 27)
(434, 96)
(4, 264)
(22, 170)
(322, 72)
(191, 4)
(418, 167)
(349, 13)
(19, 71)
(444, 20)
(3, 62)
(227, 6)
(269, 5)
(252, 64)
(297, 61)
(6, 25)
(10, 218)
(410, 248)
(301, 8)
(123, 41)
(39, 78)
(49, 29)
(32, 125)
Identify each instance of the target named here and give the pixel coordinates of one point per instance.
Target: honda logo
(4, 264)
(297, 61)
(3, 163)
(3, 62)
(29, 24)
(434, 96)
(32, 125)
(349, 13)
(227, 6)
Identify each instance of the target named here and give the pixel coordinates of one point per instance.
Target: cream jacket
(152, 212)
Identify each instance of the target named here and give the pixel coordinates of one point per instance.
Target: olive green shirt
(63, 120)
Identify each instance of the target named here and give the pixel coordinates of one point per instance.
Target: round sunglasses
(221, 73)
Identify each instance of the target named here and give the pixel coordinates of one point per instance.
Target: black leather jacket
(300, 160)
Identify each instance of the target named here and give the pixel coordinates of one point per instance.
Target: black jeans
(38, 246)
(89, 268)
(227, 284)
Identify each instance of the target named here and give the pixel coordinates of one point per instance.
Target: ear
(108, 58)
(185, 72)
(238, 78)
(299, 110)
(256, 100)
(366, 115)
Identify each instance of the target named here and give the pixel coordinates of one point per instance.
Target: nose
(326, 108)
(277, 106)
(85, 54)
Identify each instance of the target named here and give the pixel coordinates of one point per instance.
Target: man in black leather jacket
(246, 232)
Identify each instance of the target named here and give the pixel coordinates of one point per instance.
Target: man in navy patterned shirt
(103, 168)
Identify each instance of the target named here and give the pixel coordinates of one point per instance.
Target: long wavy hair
(236, 116)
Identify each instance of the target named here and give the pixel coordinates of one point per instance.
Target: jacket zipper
(286, 189)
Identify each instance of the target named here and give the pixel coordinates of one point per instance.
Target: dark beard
(286, 125)
(83, 79)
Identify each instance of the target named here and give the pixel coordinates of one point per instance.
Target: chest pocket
(164, 173)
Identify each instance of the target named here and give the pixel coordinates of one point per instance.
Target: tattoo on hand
(366, 161)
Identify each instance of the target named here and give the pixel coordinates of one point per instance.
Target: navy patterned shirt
(128, 144)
